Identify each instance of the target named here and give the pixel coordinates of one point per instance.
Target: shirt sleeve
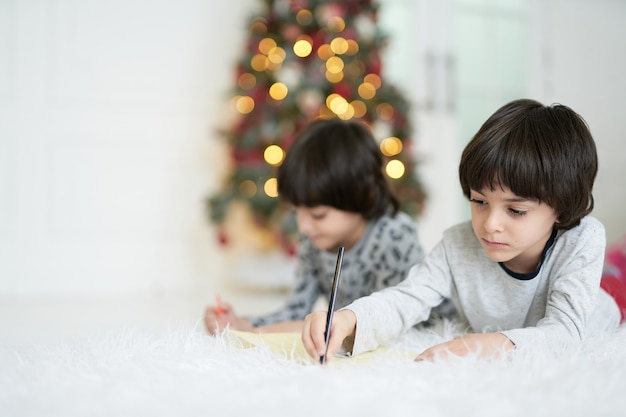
(384, 315)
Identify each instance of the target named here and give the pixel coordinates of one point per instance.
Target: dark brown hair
(336, 163)
(539, 152)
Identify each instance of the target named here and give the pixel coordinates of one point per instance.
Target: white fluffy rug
(185, 372)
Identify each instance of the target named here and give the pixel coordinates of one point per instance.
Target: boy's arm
(385, 314)
(485, 345)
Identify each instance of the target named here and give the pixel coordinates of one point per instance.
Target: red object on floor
(614, 275)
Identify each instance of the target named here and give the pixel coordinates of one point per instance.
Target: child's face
(328, 228)
(511, 229)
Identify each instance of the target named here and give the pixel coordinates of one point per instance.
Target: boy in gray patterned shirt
(525, 271)
(332, 176)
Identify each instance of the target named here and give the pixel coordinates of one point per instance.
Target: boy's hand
(486, 345)
(344, 325)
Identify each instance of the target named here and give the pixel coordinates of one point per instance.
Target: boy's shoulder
(393, 227)
(461, 231)
(590, 223)
(589, 228)
(397, 221)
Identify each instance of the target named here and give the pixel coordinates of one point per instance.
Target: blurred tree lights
(306, 59)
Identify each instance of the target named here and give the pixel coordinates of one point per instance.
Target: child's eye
(516, 212)
(318, 214)
(477, 201)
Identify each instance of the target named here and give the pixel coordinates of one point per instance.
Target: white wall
(580, 61)
(108, 112)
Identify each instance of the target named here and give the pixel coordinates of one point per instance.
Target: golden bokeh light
(277, 55)
(303, 47)
(278, 91)
(336, 24)
(259, 62)
(360, 109)
(391, 146)
(304, 17)
(273, 154)
(246, 81)
(324, 52)
(266, 45)
(331, 97)
(385, 111)
(334, 65)
(337, 104)
(248, 188)
(348, 113)
(339, 45)
(334, 77)
(259, 26)
(395, 169)
(374, 80)
(243, 104)
(273, 66)
(367, 91)
(353, 47)
(271, 187)
(326, 113)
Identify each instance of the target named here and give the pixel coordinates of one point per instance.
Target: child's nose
(493, 222)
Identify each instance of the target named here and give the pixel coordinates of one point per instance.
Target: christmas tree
(306, 59)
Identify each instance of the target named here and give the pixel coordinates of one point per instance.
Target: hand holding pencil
(343, 325)
(329, 343)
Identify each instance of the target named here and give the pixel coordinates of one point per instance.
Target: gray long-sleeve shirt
(558, 305)
(382, 258)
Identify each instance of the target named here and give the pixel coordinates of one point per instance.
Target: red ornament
(258, 93)
(289, 246)
(222, 238)
(291, 250)
(349, 34)
(298, 4)
(343, 89)
(374, 65)
(239, 71)
(355, 6)
(318, 39)
(247, 156)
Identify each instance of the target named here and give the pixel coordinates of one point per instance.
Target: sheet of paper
(290, 346)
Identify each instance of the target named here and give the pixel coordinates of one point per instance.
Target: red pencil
(219, 307)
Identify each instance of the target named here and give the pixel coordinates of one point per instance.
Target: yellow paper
(289, 345)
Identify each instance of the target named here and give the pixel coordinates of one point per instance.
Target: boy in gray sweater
(333, 178)
(525, 271)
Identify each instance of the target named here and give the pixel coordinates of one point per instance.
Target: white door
(458, 61)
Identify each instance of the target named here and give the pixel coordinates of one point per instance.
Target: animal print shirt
(389, 247)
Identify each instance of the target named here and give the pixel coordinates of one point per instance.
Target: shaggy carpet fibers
(185, 372)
